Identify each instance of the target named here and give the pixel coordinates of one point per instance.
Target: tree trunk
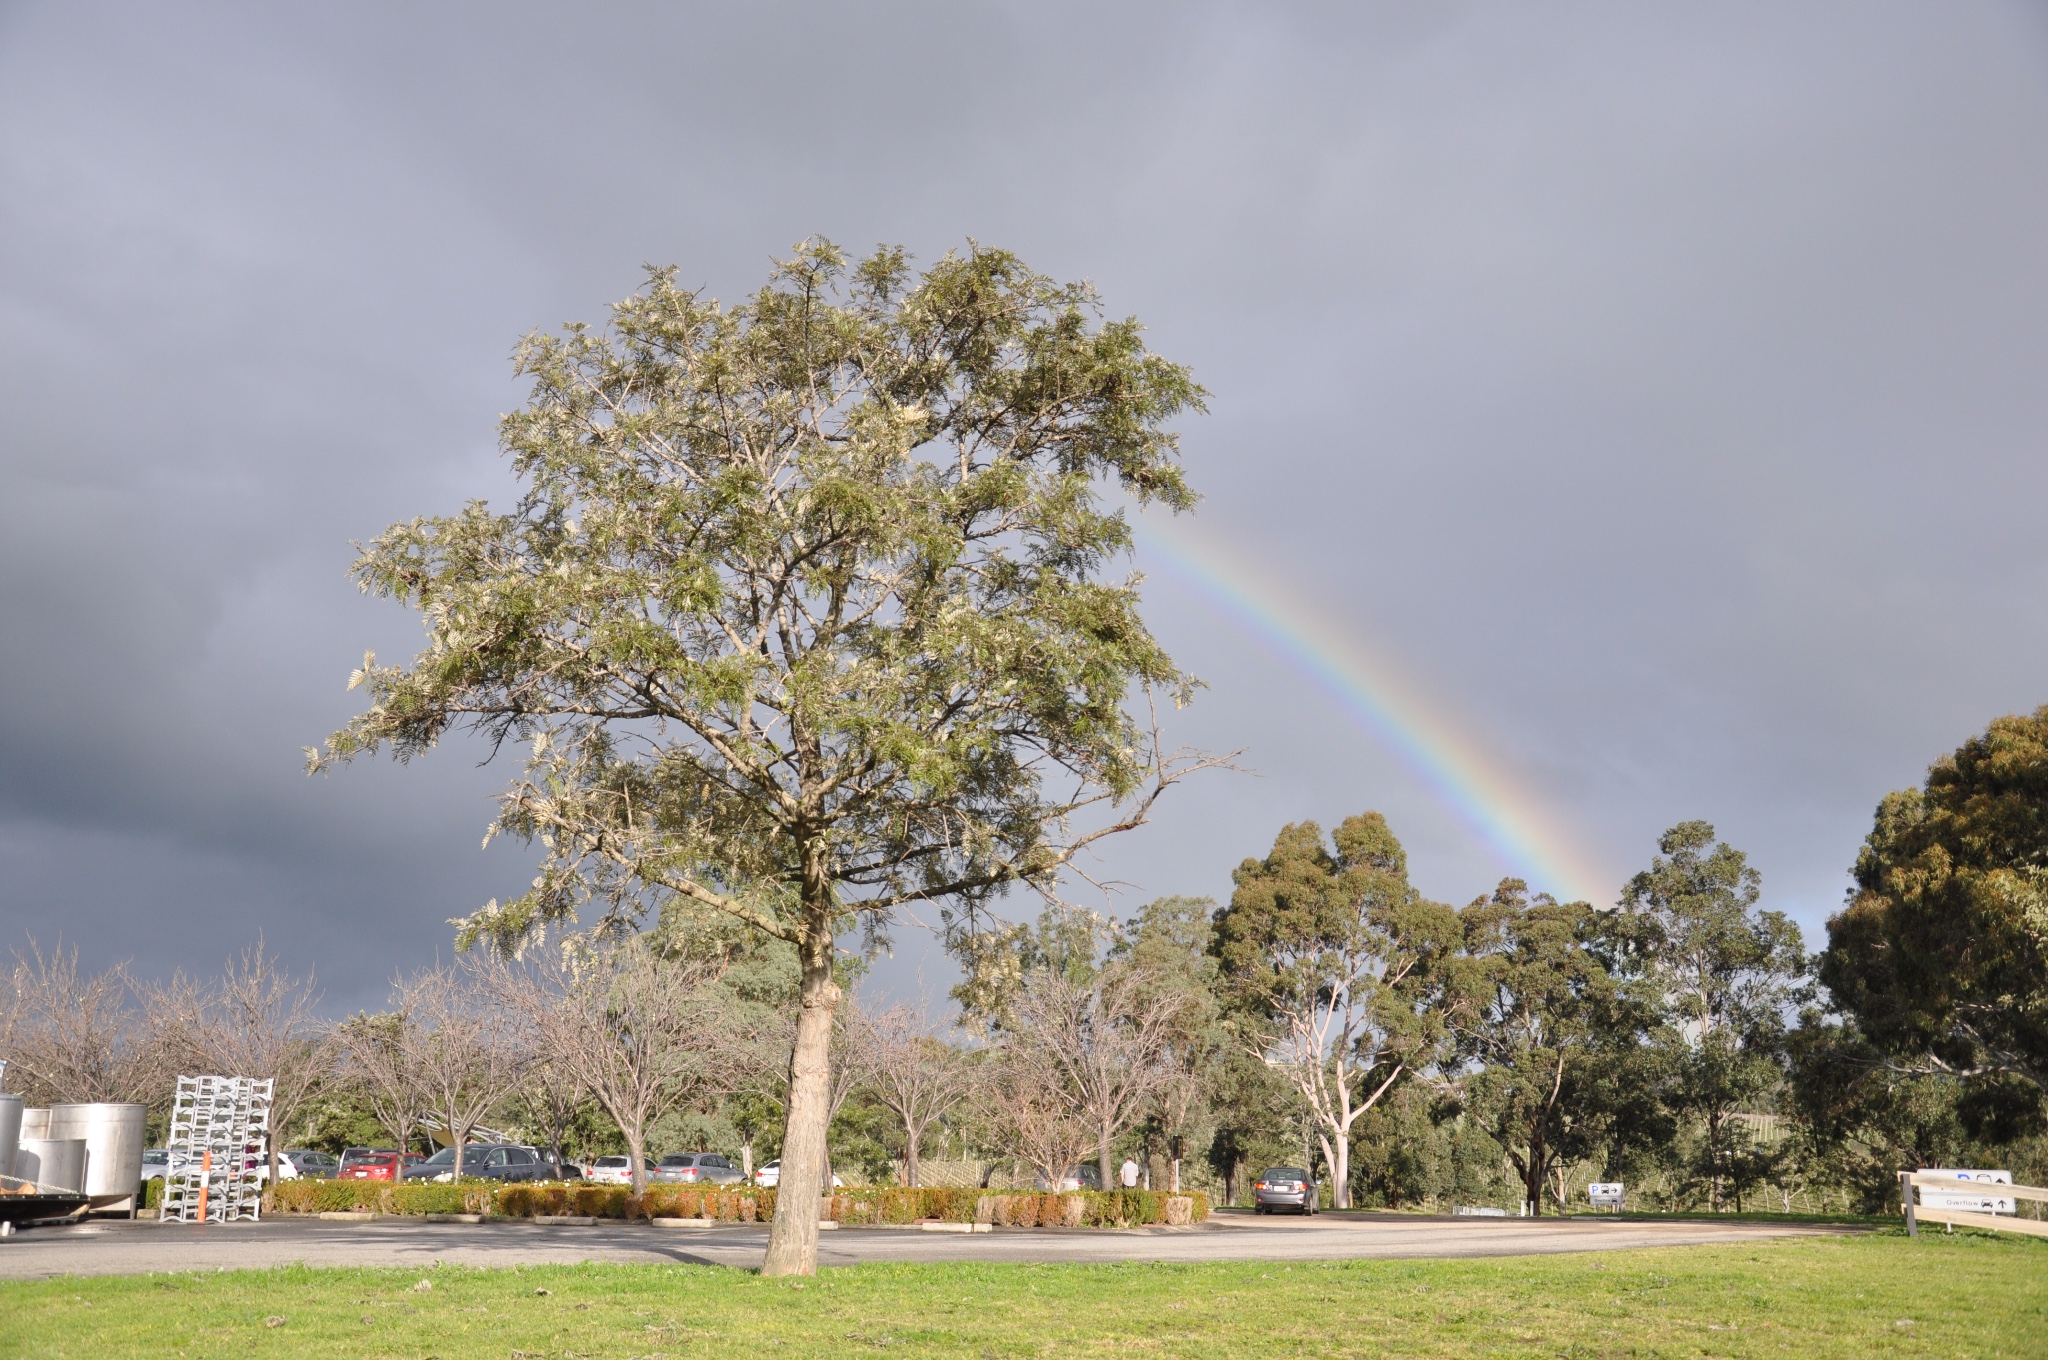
(793, 1240)
(636, 1154)
(1338, 1155)
(1102, 1166)
(1532, 1177)
(910, 1142)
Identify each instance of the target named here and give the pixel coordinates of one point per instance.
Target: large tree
(1723, 976)
(803, 615)
(1543, 1028)
(1335, 959)
(1941, 955)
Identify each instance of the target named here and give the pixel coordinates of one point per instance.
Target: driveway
(117, 1247)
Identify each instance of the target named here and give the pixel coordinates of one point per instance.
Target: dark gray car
(1284, 1187)
(494, 1161)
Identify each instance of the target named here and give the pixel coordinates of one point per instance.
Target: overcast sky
(1658, 388)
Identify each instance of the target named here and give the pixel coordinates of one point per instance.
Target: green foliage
(1941, 955)
(1547, 1031)
(1335, 966)
(803, 607)
(1723, 977)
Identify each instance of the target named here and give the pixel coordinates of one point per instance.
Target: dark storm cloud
(1660, 387)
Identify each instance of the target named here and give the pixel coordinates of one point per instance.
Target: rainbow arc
(1512, 823)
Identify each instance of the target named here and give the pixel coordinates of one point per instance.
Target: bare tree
(467, 1054)
(380, 1057)
(1106, 1039)
(255, 1020)
(73, 1036)
(913, 1072)
(643, 1032)
(551, 1093)
(1023, 1098)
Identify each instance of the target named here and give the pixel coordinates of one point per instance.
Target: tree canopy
(1941, 954)
(805, 613)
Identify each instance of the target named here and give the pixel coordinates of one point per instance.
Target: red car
(371, 1164)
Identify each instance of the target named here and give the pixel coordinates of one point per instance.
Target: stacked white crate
(219, 1127)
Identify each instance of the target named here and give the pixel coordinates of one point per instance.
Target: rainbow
(1510, 822)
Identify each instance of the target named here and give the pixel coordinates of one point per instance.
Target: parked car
(372, 1164)
(1082, 1176)
(769, 1174)
(492, 1161)
(616, 1170)
(1284, 1187)
(697, 1168)
(319, 1166)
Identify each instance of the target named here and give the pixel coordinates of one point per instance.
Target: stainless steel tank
(10, 1131)
(35, 1121)
(113, 1147)
(53, 1163)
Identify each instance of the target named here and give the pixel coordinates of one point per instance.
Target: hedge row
(889, 1204)
(1075, 1209)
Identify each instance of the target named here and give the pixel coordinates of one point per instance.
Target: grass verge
(1860, 1297)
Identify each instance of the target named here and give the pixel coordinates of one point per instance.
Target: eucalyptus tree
(1337, 961)
(1941, 954)
(804, 615)
(1726, 976)
(1540, 1024)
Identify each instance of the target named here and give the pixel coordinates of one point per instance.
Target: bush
(535, 1199)
(890, 1204)
(1091, 1208)
(726, 1205)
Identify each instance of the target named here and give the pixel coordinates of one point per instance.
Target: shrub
(888, 1204)
(1091, 1208)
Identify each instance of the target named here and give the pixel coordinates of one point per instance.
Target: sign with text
(1605, 1194)
(1969, 1195)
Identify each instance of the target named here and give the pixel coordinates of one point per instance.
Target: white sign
(1605, 1194)
(1970, 1200)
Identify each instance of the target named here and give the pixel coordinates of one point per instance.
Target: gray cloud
(1657, 387)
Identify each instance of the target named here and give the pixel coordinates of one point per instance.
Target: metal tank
(10, 1131)
(113, 1146)
(35, 1121)
(52, 1163)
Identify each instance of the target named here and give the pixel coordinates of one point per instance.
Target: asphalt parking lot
(120, 1247)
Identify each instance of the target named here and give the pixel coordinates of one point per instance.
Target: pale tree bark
(793, 1237)
(1329, 1050)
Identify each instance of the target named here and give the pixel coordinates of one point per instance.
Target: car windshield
(1284, 1173)
(678, 1159)
(611, 1161)
(446, 1156)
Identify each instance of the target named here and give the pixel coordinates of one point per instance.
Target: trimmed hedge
(886, 1204)
(411, 1197)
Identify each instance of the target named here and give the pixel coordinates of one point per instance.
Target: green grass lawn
(1860, 1297)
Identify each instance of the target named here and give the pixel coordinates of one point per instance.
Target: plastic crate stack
(219, 1129)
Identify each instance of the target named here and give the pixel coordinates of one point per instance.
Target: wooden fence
(1963, 1218)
